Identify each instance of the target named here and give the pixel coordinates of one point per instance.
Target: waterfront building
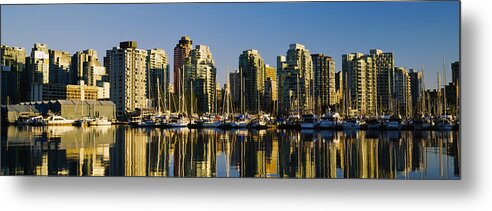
(38, 71)
(157, 77)
(235, 81)
(75, 108)
(455, 72)
(252, 70)
(181, 53)
(324, 82)
(359, 73)
(339, 91)
(416, 89)
(200, 75)
(54, 91)
(59, 66)
(128, 77)
(384, 68)
(403, 98)
(295, 80)
(82, 63)
(13, 64)
(271, 96)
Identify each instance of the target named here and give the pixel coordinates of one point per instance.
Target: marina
(270, 153)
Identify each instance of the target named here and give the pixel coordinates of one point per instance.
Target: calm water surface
(125, 151)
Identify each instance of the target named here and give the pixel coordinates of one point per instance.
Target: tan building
(295, 80)
(252, 70)
(324, 83)
(385, 67)
(128, 77)
(60, 62)
(39, 66)
(360, 74)
(200, 75)
(157, 78)
(12, 66)
(271, 96)
(69, 92)
(403, 92)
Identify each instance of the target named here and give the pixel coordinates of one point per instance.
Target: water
(126, 151)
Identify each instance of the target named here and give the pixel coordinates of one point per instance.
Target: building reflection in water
(125, 151)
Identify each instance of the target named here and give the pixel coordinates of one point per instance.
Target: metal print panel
(354, 90)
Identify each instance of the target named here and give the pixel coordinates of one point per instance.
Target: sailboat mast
(444, 94)
(298, 96)
(158, 97)
(191, 98)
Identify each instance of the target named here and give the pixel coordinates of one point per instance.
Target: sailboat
(179, 119)
(260, 122)
(445, 122)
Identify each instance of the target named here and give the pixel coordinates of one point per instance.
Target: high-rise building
(384, 67)
(252, 69)
(13, 64)
(181, 53)
(200, 75)
(359, 73)
(324, 82)
(128, 77)
(157, 78)
(455, 71)
(82, 62)
(402, 92)
(295, 80)
(60, 62)
(39, 66)
(339, 90)
(271, 96)
(235, 81)
(416, 87)
(86, 69)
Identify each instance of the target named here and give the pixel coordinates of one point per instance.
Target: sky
(418, 33)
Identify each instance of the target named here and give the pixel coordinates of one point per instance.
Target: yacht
(445, 122)
(329, 121)
(309, 121)
(421, 123)
(374, 124)
(292, 122)
(58, 120)
(351, 124)
(394, 123)
(177, 121)
(99, 122)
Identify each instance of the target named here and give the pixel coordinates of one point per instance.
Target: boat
(309, 121)
(374, 124)
(445, 122)
(351, 124)
(258, 123)
(144, 123)
(58, 120)
(177, 121)
(35, 121)
(329, 121)
(99, 122)
(421, 123)
(394, 123)
(242, 121)
(82, 122)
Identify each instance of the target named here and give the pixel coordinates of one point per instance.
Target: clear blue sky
(419, 33)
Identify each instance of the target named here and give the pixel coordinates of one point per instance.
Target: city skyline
(421, 37)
